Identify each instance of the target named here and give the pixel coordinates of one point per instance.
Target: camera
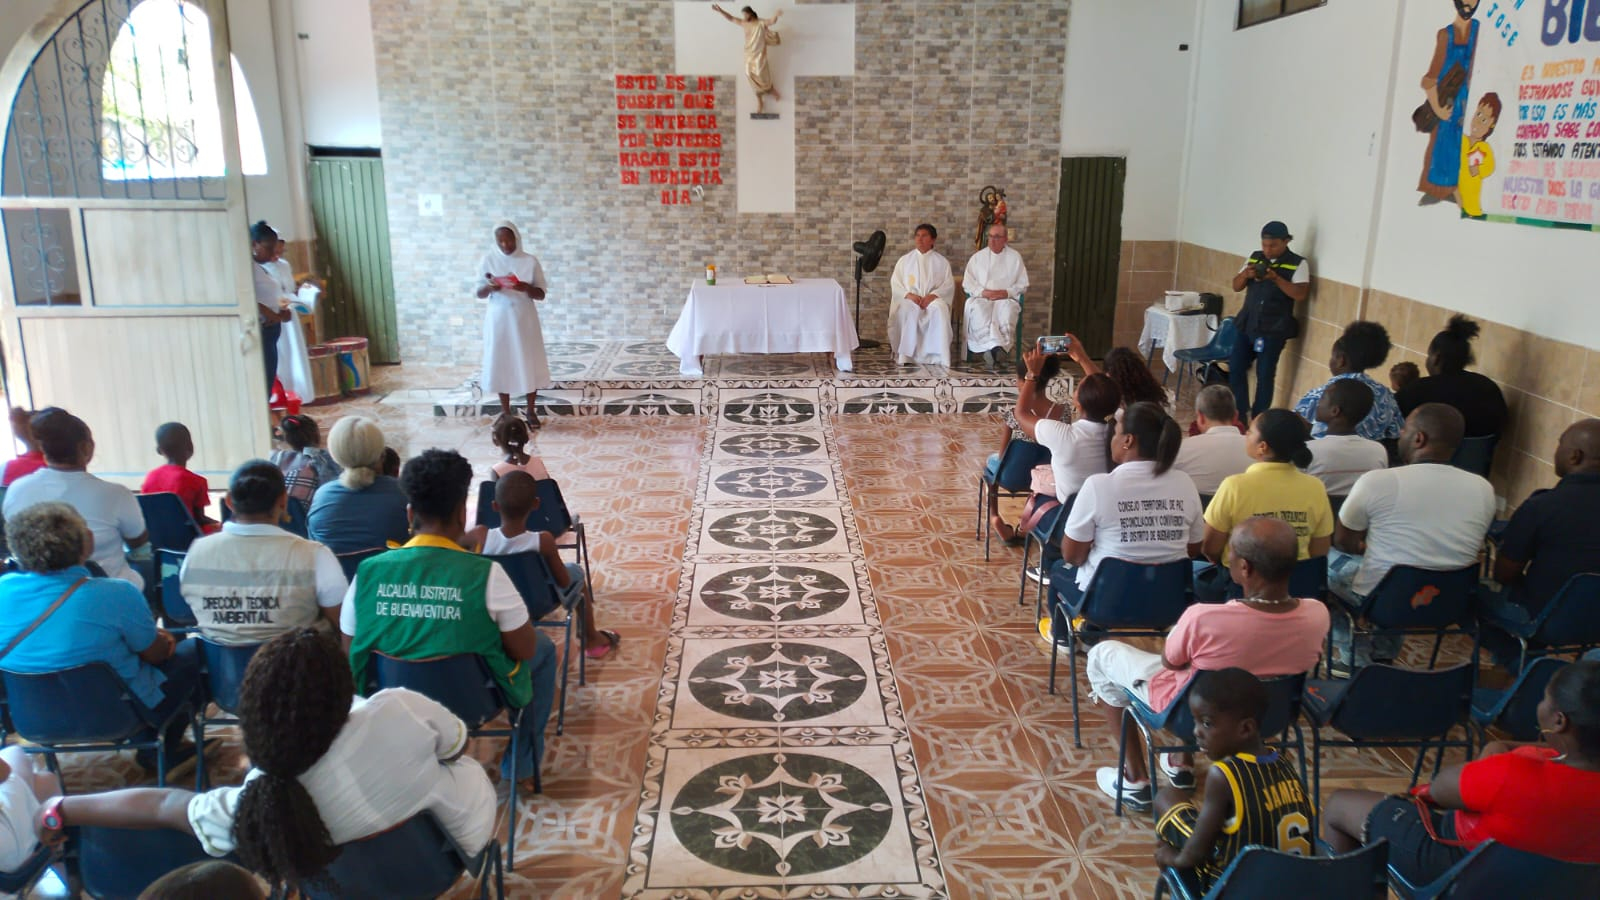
(1261, 267)
(1054, 344)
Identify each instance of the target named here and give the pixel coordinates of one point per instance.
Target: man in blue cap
(1274, 279)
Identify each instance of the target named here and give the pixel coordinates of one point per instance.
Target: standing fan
(868, 254)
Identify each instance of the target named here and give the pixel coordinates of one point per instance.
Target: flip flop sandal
(601, 651)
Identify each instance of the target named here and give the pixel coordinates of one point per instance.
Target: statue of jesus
(758, 36)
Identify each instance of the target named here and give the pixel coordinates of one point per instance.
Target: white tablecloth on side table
(809, 316)
(1172, 332)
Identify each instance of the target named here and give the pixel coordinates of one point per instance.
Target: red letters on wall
(667, 135)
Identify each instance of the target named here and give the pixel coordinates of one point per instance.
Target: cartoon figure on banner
(1477, 157)
(759, 34)
(991, 209)
(1443, 112)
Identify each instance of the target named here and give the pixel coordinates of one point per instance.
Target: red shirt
(26, 464)
(192, 489)
(1524, 799)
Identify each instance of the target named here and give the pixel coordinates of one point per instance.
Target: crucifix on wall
(818, 39)
(759, 34)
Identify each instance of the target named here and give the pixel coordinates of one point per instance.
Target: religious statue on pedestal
(759, 34)
(991, 210)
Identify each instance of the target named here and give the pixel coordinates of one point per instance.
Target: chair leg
(1438, 638)
(583, 551)
(1022, 579)
(1072, 670)
(983, 496)
(515, 718)
(1316, 767)
(200, 773)
(1122, 758)
(566, 666)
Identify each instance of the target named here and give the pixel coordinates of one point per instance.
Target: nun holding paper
(513, 344)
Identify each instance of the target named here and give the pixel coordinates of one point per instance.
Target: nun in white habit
(513, 344)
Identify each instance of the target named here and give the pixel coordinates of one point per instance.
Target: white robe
(294, 357)
(993, 323)
(915, 334)
(514, 359)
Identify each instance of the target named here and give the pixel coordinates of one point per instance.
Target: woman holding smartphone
(513, 344)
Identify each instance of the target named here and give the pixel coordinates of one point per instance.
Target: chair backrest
(1476, 454)
(1494, 871)
(18, 880)
(462, 683)
(1261, 873)
(168, 521)
(551, 515)
(1572, 617)
(1222, 341)
(85, 704)
(1285, 694)
(1519, 716)
(1138, 595)
(352, 560)
(297, 524)
(225, 665)
(175, 611)
(415, 859)
(119, 863)
(1391, 703)
(533, 579)
(1017, 462)
(1309, 579)
(1409, 597)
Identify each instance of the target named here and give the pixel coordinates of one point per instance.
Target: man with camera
(1274, 279)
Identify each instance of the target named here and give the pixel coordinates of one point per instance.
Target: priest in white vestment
(919, 316)
(994, 280)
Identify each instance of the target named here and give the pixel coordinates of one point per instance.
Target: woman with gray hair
(364, 508)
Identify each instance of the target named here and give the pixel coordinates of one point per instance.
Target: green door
(1088, 249)
(352, 222)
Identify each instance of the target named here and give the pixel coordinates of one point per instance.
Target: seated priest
(919, 313)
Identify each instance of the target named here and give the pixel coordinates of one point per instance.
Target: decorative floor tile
(819, 681)
(767, 530)
(770, 483)
(775, 593)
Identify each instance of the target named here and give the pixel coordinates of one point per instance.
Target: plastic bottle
(711, 274)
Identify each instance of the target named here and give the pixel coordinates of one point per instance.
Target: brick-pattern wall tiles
(506, 107)
(1148, 269)
(1548, 384)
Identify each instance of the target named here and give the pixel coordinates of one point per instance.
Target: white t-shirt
(387, 764)
(1076, 452)
(1340, 459)
(1211, 456)
(1428, 515)
(497, 544)
(19, 811)
(110, 510)
(504, 603)
(1131, 513)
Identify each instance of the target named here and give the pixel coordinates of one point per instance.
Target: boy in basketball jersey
(1252, 795)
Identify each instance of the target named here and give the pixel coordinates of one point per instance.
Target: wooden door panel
(161, 257)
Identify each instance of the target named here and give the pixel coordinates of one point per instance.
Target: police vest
(1268, 311)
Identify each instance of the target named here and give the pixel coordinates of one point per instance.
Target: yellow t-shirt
(1275, 489)
(1469, 187)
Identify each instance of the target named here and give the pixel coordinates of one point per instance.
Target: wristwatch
(52, 816)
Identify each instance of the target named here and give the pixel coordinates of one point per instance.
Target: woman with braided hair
(329, 768)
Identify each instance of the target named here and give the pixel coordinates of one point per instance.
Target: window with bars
(1254, 12)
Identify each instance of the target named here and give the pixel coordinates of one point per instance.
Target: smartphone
(1055, 344)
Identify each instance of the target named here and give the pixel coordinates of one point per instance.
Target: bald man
(1552, 536)
(1426, 513)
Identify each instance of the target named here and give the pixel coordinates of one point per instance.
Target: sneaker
(1039, 575)
(1181, 777)
(1048, 633)
(1134, 796)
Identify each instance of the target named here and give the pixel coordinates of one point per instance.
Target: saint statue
(758, 36)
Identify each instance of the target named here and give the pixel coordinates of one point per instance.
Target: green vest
(426, 600)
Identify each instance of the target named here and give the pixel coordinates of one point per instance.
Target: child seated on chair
(511, 435)
(175, 444)
(1341, 456)
(306, 465)
(1252, 795)
(515, 496)
(1401, 374)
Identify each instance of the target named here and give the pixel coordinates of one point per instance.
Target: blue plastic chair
(1308, 580)
(1410, 600)
(1387, 706)
(1493, 871)
(1216, 350)
(464, 685)
(86, 708)
(1261, 873)
(552, 515)
(1284, 702)
(119, 863)
(350, 562)
(1515, 709)
(541, 595)
(223, 666)
(1125, 599)
(176, 615)
(415, 860)
(1012, 478)
(169, 523)
(297, 524)
(1043, 537)
(19, 880)
(1569, 623)
(1476, 454)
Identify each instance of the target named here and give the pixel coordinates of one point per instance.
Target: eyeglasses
(997, 237)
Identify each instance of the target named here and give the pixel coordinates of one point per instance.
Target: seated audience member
(361, 509)
(1128, 369)
(1341, 456)
(98, 620)
(1042, 407)
(1252, 795)
(1363, 346)
(110, 510)
(1217, 450)
(1273, 486)
(32, 458)
(515, 496)
(1267, 633)
(1552, 535)
(177, 447)
(1077, 450)
(487, 616)
(1425, 513)
(255, 581)
(328, 768)
(1143, 445)
(213, 878)
(1538, 798)
(1401, 376)
(306, 466)
(21, 788)
(1477, 397)
(512, 436)
(391, 463)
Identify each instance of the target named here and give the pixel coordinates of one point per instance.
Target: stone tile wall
(1548, 384)
(506, 107)
(1146, 272)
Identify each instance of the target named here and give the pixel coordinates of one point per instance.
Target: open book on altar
(769, 278)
